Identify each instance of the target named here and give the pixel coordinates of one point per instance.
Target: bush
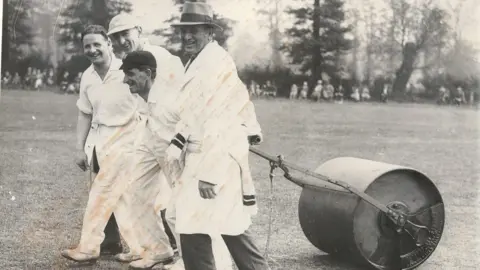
(77, 63)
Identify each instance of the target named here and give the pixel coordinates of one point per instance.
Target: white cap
(121, 22)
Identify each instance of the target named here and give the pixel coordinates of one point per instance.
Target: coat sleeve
(250, 120)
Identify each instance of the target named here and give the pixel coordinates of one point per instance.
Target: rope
(270, 215)
(273, 166)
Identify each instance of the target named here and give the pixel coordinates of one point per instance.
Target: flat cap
(138, 59)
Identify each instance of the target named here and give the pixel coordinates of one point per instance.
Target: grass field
(36, 166)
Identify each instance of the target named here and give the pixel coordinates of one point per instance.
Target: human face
(96, 48)
(137, 80)
(126, 41)
(195, 38)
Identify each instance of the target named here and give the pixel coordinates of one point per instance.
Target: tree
(318, 48)
(272, 15)
(420, 28)
(18, 32)
(79, 14)
(172, 39)
(5, 38)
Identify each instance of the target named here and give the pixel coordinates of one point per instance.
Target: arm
(83, 127)
(84, 120)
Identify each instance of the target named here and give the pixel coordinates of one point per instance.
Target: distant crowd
(325, 91)
(38, 79)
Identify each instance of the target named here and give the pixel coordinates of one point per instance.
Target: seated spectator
(459, 97)
(38, 80)
(258, 90)
(304, 91)
(50, 78)
(355, 94)
(365, 93)
(270, 90)
(27, 79)
(339, 94)
(251, 89)
(328, 92)
(7, 79)
(64, 81)
(17, 80)
(317, 91)
(293, 91)
(77, 82)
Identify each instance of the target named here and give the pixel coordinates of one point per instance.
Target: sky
(250, 39)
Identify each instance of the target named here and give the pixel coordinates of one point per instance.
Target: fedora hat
(196, 12)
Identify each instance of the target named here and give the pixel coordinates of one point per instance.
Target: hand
(255, 139)
(81, 160)
(207, 190)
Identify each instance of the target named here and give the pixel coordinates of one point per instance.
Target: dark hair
(143, 69)
(153, 70)
(95, 29)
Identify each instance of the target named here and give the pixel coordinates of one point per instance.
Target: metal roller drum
(344, 225)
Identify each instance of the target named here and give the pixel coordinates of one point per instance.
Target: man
(139, 68)
(105, 132)
(125, 32)
(111, 243)
(215, 192)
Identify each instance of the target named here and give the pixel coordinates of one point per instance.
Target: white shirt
(109, 100)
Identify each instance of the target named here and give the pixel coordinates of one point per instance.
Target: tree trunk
(403, 74)
(100, 13)
(316, 57)
(5, 38)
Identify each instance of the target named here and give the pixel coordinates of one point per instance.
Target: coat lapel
(193, 68)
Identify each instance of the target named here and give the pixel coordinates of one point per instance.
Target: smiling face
(195, 37)
(96, 48)
(139, 81)
(126, 41)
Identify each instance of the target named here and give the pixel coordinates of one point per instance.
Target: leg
(245, 252)
(139, 219)
(105, 192)
(168, 230)
(197, 252)
(111, 244)
(221, 255)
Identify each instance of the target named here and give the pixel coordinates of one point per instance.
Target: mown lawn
(37, 139)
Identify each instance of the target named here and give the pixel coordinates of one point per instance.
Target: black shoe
(111, 249)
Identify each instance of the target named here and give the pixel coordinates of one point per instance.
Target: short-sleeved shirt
(109, 101)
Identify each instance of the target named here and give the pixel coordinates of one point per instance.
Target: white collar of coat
(205, 51)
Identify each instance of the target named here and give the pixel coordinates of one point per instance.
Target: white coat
(215, 109)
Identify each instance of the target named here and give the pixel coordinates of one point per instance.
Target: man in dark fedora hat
(215, 194)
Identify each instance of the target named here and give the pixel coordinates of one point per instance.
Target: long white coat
(213, 103)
